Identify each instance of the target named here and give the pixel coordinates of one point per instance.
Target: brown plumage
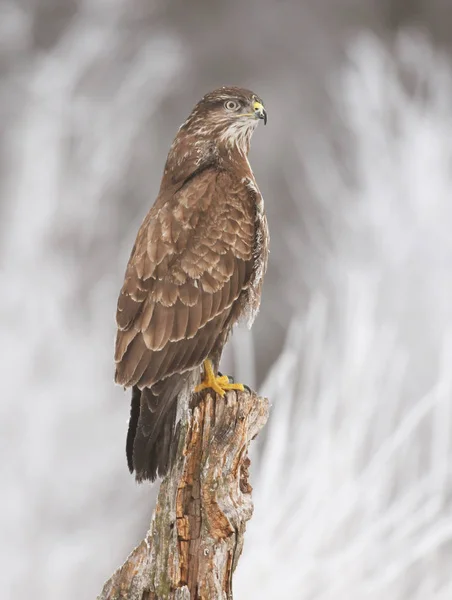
(196, 268)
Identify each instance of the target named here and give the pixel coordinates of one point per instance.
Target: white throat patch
(238, 134)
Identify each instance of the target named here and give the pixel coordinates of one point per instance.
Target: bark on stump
(196, 534)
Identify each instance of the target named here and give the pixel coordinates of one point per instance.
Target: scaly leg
(220, 385)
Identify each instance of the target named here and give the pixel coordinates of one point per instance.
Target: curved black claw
(232, 380)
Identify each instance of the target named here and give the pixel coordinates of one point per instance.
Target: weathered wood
(197, 530)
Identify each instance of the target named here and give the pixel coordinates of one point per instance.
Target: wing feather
(180, 321)
(207, 305)
(130, 361)
(192, 259)
(194, 319)
(142, 324)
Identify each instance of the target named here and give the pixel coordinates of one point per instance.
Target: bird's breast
(260, 258)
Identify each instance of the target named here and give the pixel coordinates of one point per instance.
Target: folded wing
(192, 259)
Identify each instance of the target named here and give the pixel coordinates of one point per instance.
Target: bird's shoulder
(214, 203)
(190, 244)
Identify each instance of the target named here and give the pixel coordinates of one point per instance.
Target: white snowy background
(353, 345)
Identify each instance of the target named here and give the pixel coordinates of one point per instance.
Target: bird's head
(227, 116)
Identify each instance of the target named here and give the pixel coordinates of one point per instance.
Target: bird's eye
(231, 105)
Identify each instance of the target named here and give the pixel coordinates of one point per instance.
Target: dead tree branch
(197, 530)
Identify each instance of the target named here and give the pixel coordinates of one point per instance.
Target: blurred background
(353, 344)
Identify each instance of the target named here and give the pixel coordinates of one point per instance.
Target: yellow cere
(257, 106)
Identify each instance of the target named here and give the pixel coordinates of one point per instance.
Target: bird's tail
(151, 431)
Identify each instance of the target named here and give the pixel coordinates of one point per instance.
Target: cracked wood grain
(196, 535)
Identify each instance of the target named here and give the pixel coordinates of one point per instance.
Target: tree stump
(197, 529)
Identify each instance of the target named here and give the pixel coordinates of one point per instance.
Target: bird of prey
(196, 268)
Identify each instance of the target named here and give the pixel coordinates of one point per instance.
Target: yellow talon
(220, 385)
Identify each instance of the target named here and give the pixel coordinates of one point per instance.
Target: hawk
(196, 268)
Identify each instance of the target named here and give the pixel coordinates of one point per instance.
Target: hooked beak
(260, 111)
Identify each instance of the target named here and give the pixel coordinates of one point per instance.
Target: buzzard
(196, 268)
